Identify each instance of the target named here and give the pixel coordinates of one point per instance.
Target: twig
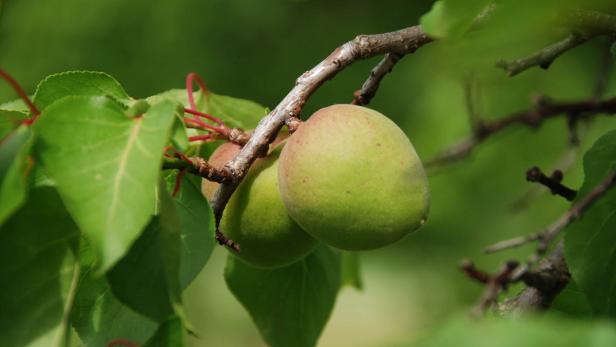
(585, 25)
(362, 47)
(553, 182)
(551, 274)
(547, 235)
(544, 57)
(200, 167)
(494, 283)
(544, 109)
(364, 95)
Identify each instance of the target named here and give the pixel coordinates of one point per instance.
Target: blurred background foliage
(256, 49)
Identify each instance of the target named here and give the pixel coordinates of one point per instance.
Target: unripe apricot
(351, 178)
(255, 216)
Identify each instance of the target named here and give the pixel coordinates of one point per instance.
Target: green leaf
(170, 334)
(17, 105)
(351, 273)
(197, 227)
(527, 331)
(572, 301)
(78, 83)
(37, 268)
(147, 279)
(451, 18)
(179, 137)
(9, 121)
(289, 305)
(98, 316)
(590, 240)
(106, 166)
(15, 167)
(235, 112)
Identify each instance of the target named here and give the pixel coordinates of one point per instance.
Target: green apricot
(255, 216)
(351, 178)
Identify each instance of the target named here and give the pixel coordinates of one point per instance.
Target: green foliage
(147, 279)
(78, 83)
(37, 266)
(9, 121)
(237, 113)
(170, 334)
(527, 331)
(98, 316)
(15, 166)
(289, 305)
(106, 166)
(452, 18)
(590, 240)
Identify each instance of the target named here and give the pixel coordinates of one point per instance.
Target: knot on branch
(238, 136)
(293, 123)
(202, 168)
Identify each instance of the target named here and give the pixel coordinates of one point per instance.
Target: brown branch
(544, 57)
(364, 95)
(362, 47)
(544, 109)
(553, 182)
(200, 167)
(551, 274)
(547, 235)
(542, 284)
(585, 25)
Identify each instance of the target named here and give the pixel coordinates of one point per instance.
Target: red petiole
(22, 94)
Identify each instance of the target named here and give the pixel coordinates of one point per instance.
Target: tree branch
(549, 277)
(585, 25)
(544, 57)
(200, 167)
(553, 182)
(362, 47)
(544, 109)
(547, 235)
(369, 88)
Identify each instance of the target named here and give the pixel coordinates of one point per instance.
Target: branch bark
(369, 88)
(544, 109)
(544, 281)
(362, 47)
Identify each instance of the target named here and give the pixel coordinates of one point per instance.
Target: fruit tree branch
(585, 25)
(544, 281)
(362, 47)
(547, 235)
(364, 95)
(544, 57)
(544, 109)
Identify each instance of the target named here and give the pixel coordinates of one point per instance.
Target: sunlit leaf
(74, 83)
(106, 166)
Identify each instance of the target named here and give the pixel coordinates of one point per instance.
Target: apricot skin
(351, 178)
(255, 216)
